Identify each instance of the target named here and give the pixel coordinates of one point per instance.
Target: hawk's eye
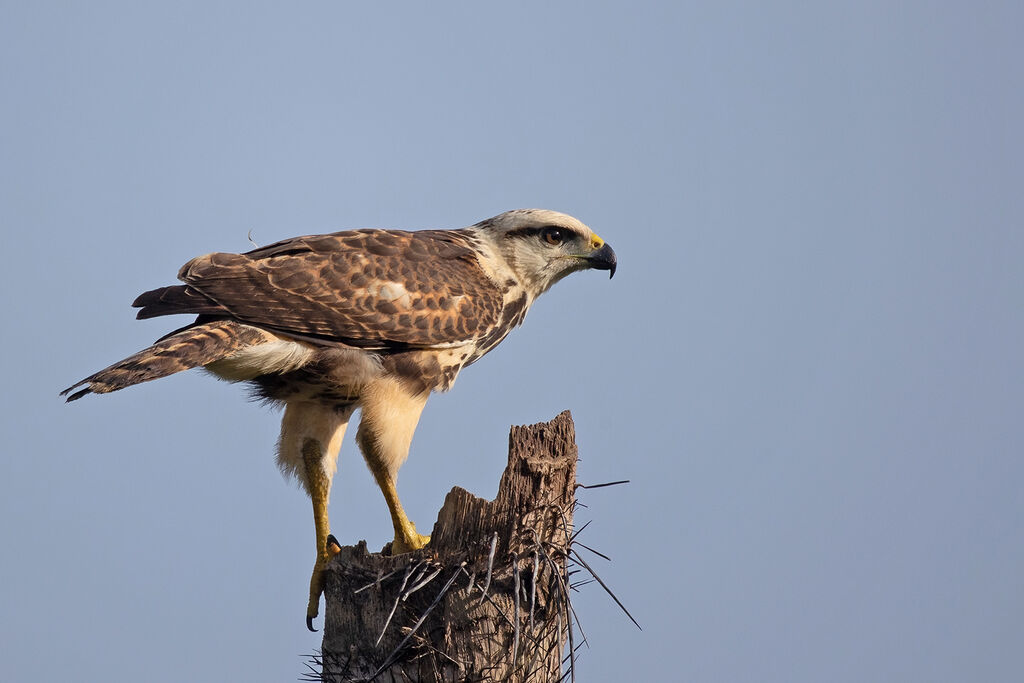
(553, 236)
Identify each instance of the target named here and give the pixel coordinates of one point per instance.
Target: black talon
(331, 540)
(309, 624)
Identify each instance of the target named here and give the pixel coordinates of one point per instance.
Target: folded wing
(372, 289)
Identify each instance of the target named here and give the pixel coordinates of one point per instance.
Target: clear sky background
(809, 363)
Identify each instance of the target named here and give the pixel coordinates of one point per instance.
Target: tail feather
(174, 299)
(192, 347)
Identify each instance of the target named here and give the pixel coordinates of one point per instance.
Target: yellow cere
(595, 241)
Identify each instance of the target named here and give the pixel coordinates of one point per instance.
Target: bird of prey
(368, 319)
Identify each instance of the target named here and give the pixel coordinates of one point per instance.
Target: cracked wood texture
(456, 610)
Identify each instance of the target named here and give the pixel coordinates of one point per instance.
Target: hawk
(368, 319)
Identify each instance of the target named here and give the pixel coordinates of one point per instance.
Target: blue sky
(809, 363)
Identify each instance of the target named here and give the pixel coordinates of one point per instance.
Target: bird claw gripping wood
(316, 582)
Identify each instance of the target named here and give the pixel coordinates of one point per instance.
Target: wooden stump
(485, 600)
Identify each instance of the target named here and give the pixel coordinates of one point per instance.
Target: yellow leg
(406, 537)
(311, 436)
(391, 410)
(319, 485)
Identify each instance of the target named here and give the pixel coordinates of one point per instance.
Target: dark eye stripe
(523, 232)
(533, 232)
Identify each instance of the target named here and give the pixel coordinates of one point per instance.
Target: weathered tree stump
(485, 600)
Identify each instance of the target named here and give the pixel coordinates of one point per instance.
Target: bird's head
(541, 247)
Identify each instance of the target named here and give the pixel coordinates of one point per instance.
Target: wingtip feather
(77, 395)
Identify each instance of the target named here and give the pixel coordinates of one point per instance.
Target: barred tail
(189, 348)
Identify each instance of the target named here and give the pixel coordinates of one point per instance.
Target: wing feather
(375, 289)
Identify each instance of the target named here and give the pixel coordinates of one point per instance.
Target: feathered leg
(391, 411)
(311, 437)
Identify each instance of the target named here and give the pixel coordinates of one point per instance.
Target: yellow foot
(316, 582)
(408, 540)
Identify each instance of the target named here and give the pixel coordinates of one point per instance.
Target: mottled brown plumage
(340, 289)
(370, 319)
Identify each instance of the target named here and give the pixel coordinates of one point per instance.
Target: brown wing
(375, 289)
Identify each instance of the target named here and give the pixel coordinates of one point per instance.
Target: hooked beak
(603, 259)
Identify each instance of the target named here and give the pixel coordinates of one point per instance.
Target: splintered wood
(486, 600)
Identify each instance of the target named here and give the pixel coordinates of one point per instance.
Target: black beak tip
(604, 259)
(610, 261)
